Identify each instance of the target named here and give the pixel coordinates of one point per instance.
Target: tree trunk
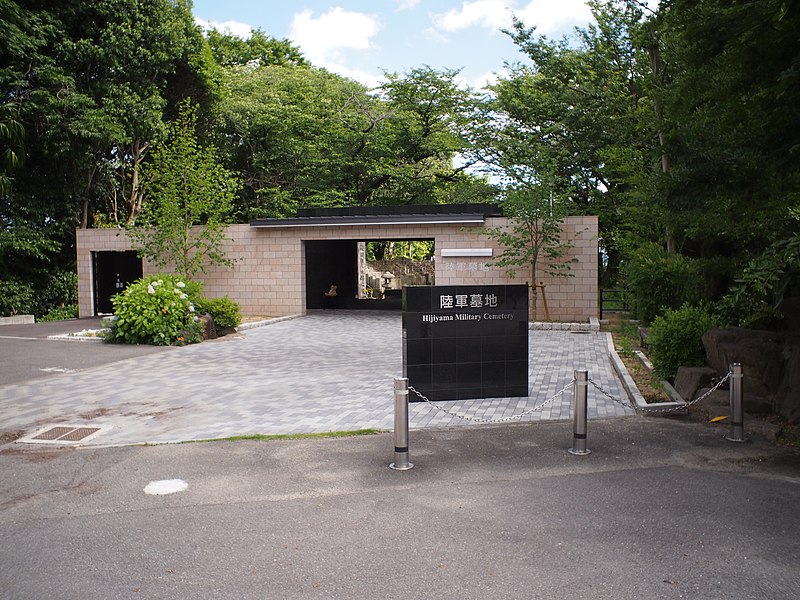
(658, 72)
(85, 207)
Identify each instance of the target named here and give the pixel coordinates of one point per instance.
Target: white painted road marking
(166, 486)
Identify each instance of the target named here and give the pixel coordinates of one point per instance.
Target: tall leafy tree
(580, 110)
(305, 137)
(89, 83)
(732, 127)
(190, 202)
(257, 50)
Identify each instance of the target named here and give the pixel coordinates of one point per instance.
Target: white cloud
(555, 18)
(433, 34)
(551, 18)
(322, 39)
(493, 14)
(406, 5)
(236, 28)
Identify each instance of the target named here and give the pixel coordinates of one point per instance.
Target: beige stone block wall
(268, 275)
(572, 298)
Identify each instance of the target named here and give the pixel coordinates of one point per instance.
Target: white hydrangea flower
(181, 285)
(184, 296)
(151, 289)
(191, 308)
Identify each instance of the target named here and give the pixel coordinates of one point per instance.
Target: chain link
(559, 393)
(670, 409)
(500, 420)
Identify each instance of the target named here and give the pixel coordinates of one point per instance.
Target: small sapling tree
(189, 202)
(533, 243)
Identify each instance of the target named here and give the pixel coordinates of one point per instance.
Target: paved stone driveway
(327, 371)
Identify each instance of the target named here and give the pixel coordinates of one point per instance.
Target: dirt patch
(32, 454)
(99, 412)
(649, 384)
(256, 318)
(9, 436)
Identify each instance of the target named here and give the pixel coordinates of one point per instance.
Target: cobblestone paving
(327, 371)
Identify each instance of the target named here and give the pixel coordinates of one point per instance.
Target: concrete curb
(633, 392)
(76, 337)
(263, 322)
(593, 325)
(17, 320)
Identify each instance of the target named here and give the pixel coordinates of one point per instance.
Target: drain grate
(53, 433)
(61, 434)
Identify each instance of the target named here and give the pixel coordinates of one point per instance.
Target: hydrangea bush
(158, 310)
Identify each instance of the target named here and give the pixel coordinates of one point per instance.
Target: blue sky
(361, 39)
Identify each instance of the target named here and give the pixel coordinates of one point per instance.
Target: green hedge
(675, 339)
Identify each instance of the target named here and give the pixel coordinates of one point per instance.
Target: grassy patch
(788, 435)
(260, 437)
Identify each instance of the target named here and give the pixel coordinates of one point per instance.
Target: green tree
(190, 201)
(534, 244)
(258, 50)
(89, 84)
(732, 128)
(304, 137)
(580, 108)
(430, 119)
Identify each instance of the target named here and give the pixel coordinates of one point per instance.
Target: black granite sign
(463, 342)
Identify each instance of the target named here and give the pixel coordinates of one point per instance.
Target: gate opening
(365, 274)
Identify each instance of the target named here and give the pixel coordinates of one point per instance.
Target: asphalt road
(27, 354)
(660, 509)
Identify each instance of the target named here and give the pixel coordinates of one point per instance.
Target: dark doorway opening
(113, 271)
(330, 263)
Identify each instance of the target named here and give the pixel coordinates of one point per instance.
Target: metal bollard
(401, 462)
(737, 412)
(579, 428)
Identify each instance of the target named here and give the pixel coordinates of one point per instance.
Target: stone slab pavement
(325, 371)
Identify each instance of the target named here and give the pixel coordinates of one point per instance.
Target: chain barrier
(559, 393)
(500, 420)
(670, 409)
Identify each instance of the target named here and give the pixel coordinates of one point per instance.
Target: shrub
(157, 310)
(224, 311)
(16, 298)
(61, 313)
(62, 289)
(675, 339)
(658, 280)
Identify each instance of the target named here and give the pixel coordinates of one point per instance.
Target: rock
(226, 331)
(770, 365)
(689, 379)
(207, 327)
(790, 308)
(717, 402)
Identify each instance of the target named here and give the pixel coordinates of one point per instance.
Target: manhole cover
(62, 434)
